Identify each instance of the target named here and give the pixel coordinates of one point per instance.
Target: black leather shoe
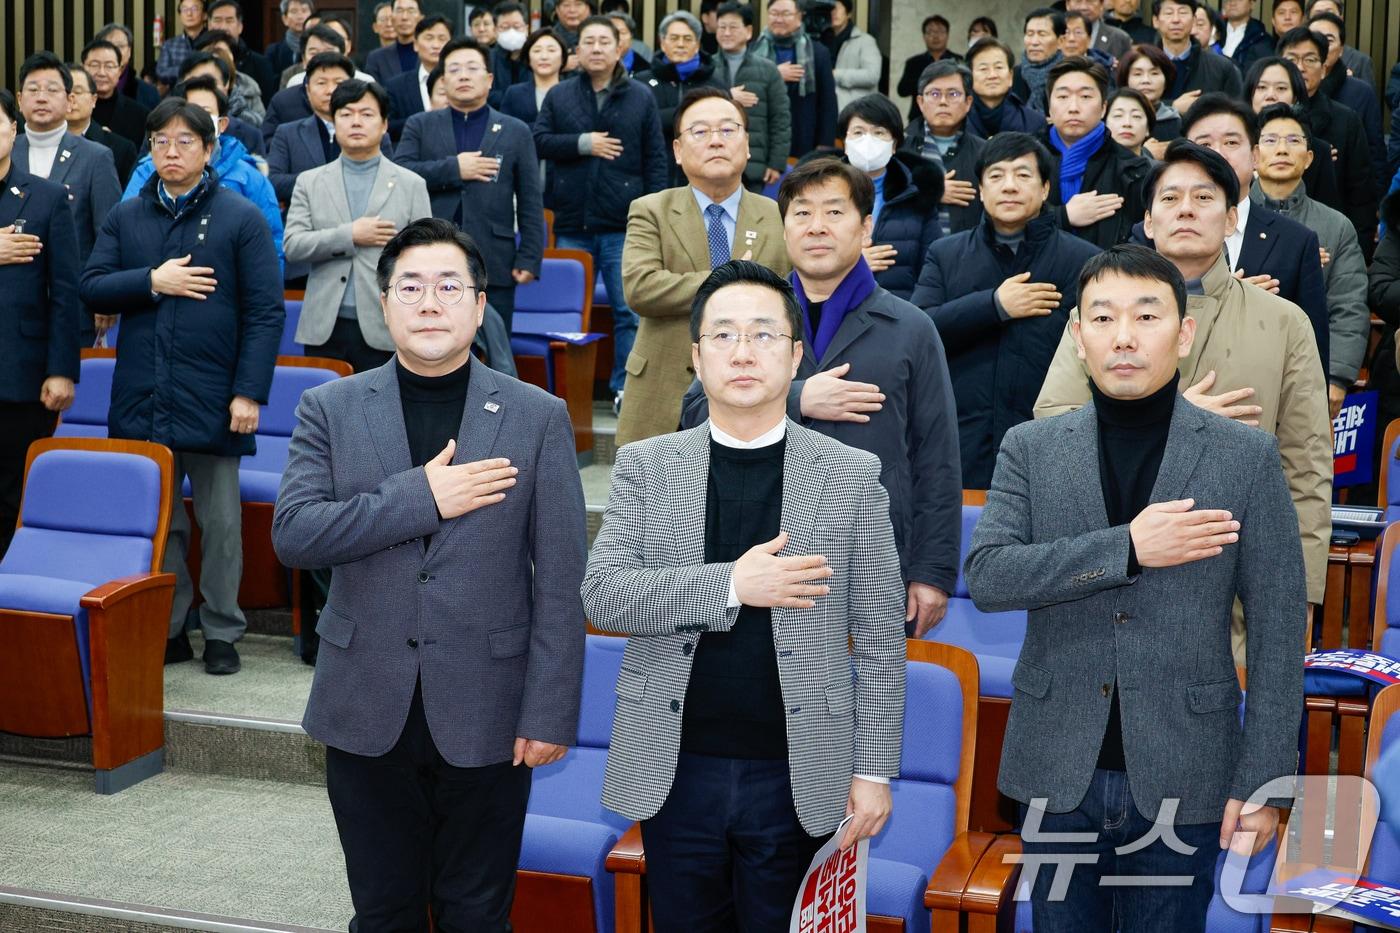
(178, 649)
(220, 657)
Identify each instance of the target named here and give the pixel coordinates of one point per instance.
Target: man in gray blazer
(482, 172)
(446, 497)
(743, 557)
(340, 217)
(1129, 528)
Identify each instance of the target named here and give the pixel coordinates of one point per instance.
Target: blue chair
(562, 882)
(83, 607)
(288, 345)
(92, 397)
(770, 190)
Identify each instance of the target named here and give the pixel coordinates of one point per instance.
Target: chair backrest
(1384, 860)
(970, 515)
(1385, 625)
(94, 509)
(561, 299)
(288, 346)
(933, 793)
(92, 398)
(1388, 482)
(276, 420)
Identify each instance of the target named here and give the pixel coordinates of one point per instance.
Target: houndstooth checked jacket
(647, 578)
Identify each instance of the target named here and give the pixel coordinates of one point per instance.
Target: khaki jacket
(1251, 338)
(665, 259)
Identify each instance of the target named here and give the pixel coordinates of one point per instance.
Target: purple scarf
(857, 286)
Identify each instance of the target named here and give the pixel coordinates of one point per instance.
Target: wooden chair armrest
(994, 881)
(115, 591)
(949, 882)
(628, 856)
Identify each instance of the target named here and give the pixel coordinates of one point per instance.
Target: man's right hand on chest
(762, 578)
(179, 279)
(828, 397)
(1167, 534)
(466, 487)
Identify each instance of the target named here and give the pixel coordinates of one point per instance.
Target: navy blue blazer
(405, 99)
(39, 317)
(1288, 251)
(287, 106)
(519, 102)
(88, 173)
(486, 210)
(384, 64)
(297, 147)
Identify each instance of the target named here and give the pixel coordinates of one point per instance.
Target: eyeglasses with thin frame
(1292, 140)
(448, 291)
(102, 66)
(184, 142)
(951, 96)
(1312, 61)
(32, 89)
(700, 134)
(763, 340)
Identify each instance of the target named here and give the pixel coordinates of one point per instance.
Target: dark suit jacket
(404, 101)
(123, 152)
(383, 63)
(123, 116)
(486, 210)
(519, 102)
(39, 317)
(88, 174)
(498, 654)
(1207, 71)
(287, 106)
(296, 148)
(1286, 250)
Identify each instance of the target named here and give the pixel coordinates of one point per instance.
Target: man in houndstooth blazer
(741, 738)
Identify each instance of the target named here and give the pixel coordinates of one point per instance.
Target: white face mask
(869, 153)
(512, 40)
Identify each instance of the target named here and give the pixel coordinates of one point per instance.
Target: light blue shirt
(730, 218)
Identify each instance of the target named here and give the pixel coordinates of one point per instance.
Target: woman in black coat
(908, 188)
(678, 67)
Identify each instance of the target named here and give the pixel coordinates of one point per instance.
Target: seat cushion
(895, 889)
(33, 593)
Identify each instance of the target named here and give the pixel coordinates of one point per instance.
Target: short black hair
(434, 77)
(876, 109)
(596, 20)
(7, 104)
(741, 10)
(324, 60)
(46, 61)
(1056, 18)
(987, 23)
(1138, 98)
(946, 68)
(428, 22)
(1217, 22)
(1135, 262)
(821, 170)
(203, 83)
(213, 37)
(1153, 54)
(75, 69)
(355, 90)
(706, 92)
(1080, 64)
(427, 231)
(1216, 103)
(98, 45)
(1181, 151)
(935, 18)
(610, 7)
(478, 12)
(1256, 74)
(326, 34)
(110, 28)
(466, 43)
(177, 108)
(216, 4)
(1004, 147)
(1313, 4)
(1300, 34)
(508, 6)
(991, 42)
(1332, 18)
(1074, 14)
(539, 35)
(1158, 4)
(195, 59)
(1294, 112)
(745, 272)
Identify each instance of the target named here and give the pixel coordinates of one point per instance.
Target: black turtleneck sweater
(1132, 439)
(432, 411)
(734, 702)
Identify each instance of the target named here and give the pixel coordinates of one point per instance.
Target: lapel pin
(1263, 235)
(749, 234)
(64, 155)
(391, 184)
(495, 127)
(491, 407)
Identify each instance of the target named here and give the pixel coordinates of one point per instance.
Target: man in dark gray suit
(1129, 528)
(482, 172)
(446, 498)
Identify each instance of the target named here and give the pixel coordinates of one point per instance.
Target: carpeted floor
(273, 684)
(240, 848)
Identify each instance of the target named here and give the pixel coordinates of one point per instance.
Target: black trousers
(726, 851)
(502, 298)
(347, 343)
(21, 424)
(417, 831)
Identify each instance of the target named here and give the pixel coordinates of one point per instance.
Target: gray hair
(309, 4)
(626, 20)
(681, 16)
(110, 28)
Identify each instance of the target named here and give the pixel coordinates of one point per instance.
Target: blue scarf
(627, 61)
(857, 286)
(688, 67)
(1075, 159)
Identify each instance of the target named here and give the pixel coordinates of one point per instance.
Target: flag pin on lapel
(491, 407)
(64, 155)
(495, 127)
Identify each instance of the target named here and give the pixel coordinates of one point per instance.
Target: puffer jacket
(667, 88)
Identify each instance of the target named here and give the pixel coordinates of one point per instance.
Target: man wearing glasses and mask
(446, 498)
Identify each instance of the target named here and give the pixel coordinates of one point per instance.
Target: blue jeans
(606, 250)
(1108, 815)
(726, 851)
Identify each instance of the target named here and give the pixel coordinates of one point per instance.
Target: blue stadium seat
(83, 610)
(92, 397)
(259, 475)
(567, 829)
(288, 345)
